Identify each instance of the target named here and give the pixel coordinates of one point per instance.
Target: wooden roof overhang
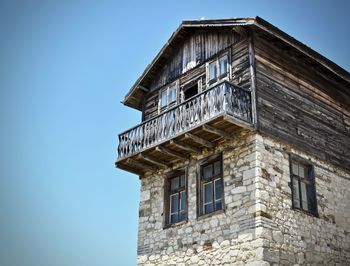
(333, 72)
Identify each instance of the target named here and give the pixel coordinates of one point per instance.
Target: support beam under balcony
(171, 153)
(185, 147)
(238, 122)
(154, 160)
(129, 168)
(199, 140)
(139, 165)
(216, 131)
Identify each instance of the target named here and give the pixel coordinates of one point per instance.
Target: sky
(64, 68)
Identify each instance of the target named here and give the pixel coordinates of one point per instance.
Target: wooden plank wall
(239, 68)
(294, 108)
(196, 48)
(240, 74)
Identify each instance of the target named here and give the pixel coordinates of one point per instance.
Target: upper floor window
(191, 89)
(211, 186)
(175, 199)
(303, 186)
(217, 69)
(168, 97)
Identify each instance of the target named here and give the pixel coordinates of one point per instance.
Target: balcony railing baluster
(224, 98)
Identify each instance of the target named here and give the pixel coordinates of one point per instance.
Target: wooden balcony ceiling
(182, 147)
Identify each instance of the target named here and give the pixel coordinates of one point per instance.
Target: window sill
(305, 212)
(175, 225)
(208, 215)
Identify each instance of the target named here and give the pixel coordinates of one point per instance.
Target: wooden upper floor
(216, 76)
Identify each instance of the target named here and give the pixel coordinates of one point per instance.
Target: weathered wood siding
(194, 67)
(295, 107)
(196, 49)
(240, 64)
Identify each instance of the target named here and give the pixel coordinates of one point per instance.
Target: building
(243, 151)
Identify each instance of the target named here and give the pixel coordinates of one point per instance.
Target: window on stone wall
(211, 186)
(303, 186)
(175, 198)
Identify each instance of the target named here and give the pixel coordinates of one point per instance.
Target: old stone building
(243, 151)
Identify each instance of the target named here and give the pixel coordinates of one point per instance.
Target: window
(191, 89)
(168, 97)
(223, 66)
(176, 210)
(211, 187)
(303, 186)
(218, 69)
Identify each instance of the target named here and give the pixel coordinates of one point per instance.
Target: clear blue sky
(64, 68)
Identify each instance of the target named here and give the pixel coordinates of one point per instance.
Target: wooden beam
(129, 169)
(199, 140)
(143, 88)
(171, 152)
(252, 70)
(217, 131)
(238, 122)
(153, 160)
(139, 164)
(186, 147)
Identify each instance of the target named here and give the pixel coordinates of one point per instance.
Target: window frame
(168, 193)
(186, 86)
(310, 185)
(216, 61)
(168, 104)
(200, 186)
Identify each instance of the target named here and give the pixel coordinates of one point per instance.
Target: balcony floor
(182, 147)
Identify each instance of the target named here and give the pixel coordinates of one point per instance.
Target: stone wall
(294, 237)
(258, 226)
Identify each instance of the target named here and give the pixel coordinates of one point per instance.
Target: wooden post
(252, 78)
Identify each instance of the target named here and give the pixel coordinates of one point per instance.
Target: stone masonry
(258, 225)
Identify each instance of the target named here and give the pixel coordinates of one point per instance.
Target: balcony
(199, 123)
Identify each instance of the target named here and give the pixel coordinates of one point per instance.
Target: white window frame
(168, 103)
(217, 64)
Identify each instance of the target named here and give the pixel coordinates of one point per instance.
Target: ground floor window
(211, 186)
(303, 186)
(175, 198)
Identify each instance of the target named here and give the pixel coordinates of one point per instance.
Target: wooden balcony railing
(224, 98)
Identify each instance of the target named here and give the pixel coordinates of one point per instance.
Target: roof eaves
(149, 67)
(186, 24)
(331, 66)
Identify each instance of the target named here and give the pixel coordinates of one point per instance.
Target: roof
(257, 23)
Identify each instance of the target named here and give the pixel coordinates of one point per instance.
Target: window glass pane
(212, 71)
(182, 200)
(182, 181)
(208, 171)
(163, 99)
(303, 187)
(295, 169)
(223, 63)
(208, 208)
(296, 200)
(217, 189)
(182, 216)
(302, 171)
(218, 205)
(208, 192)
(174, 183)
(172, 94)
(174, 218)
(217, 167)
(174, 203)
